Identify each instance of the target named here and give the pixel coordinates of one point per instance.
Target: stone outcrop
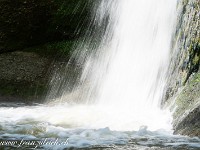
(23, 76)
(183, 92)
(28, 23)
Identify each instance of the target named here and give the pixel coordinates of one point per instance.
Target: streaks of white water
(124, 78)
(128, 72)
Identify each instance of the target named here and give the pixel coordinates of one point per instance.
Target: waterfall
(131, 67)
(125, 57)
(109, 94)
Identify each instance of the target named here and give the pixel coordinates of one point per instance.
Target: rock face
(187, 111)
(26, 23)
(43, 31)
(22, 66)
(183, 92)
(23, 75)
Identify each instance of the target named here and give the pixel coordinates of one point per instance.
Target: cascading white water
(139, 49)
(122, 81)
(127, 73)
(121, 86)
(138, 53)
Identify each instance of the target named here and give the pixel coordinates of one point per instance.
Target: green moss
(184, 4)
(188, 97)
(63, 48)
(196, 79)
(181, 105)
(194, 59)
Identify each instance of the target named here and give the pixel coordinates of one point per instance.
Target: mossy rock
(190, 125)
(22, 91)
(194, 58)
(27, 23)
(57, 50)
(187, 102)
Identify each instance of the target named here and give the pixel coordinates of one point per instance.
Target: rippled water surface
(24, 124)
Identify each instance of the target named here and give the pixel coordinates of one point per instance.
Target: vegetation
(188, 97)
(194, 59)
(59, 49)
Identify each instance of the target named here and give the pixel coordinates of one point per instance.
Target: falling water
(123, 61)
(125, 75)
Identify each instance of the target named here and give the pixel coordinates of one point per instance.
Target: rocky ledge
(23, 76)
(183, 92)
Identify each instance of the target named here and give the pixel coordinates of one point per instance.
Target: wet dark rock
(190, 125)
(27, 23)
(183, 92)
(22, 66)
(23, 76)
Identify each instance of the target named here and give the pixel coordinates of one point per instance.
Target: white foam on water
(126, 78)
(84, 116)
(79, 129)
